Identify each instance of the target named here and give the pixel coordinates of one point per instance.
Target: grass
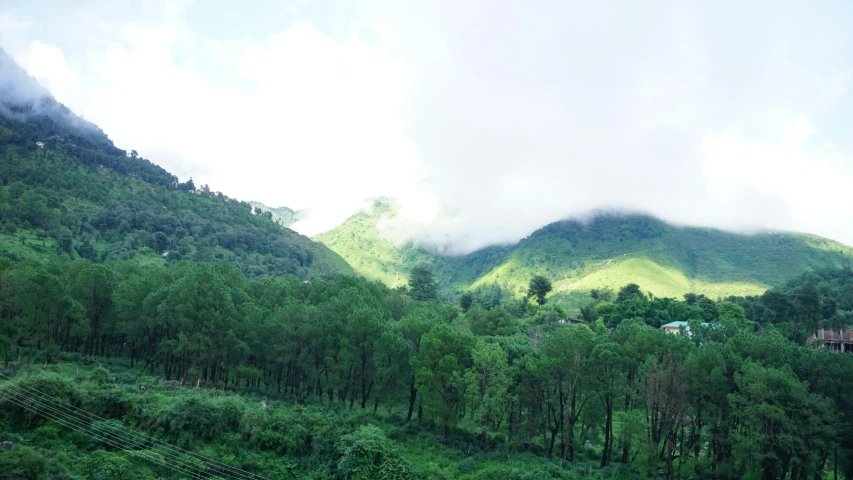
(27, 244)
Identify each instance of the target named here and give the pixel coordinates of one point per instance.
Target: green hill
(64, 187)
(608, 251)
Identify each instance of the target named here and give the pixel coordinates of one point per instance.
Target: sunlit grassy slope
(609, 251)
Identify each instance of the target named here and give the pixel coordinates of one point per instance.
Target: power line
(101, 434)
(70, 411)
(66, 411)
(73, 426)
(226, 469)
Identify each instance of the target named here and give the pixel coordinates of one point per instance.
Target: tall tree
(487, 383)
(444, 356)
(539, 287)
(422, 284)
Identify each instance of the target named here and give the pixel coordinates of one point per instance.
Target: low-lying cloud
(507, 116)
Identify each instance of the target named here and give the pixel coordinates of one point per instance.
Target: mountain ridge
(607, 250)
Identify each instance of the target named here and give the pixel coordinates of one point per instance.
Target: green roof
(677, 324)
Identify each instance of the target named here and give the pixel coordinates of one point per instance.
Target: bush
(100, 376)
(53, 368)
(453, 454)
(102, 465)
(23, 462)
(469, 465)
(367, 454)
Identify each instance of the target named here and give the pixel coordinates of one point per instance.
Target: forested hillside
(607, 251)
(343, 378)
(65, 188)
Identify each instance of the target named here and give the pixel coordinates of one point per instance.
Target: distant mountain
(283, 215)
(66, 189)
(608, 251)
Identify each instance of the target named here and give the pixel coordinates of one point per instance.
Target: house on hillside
(40, 145)
(675, 327)
(840, 341)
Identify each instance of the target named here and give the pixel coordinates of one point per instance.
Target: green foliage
(539, 287)
(367, 454)
(100, 375)
(537, 400)
(23, 462)
(422, 284)
(103, 465)
(465, 301)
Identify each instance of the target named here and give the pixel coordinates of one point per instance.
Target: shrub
(367, 454)
(100, 376)
(23, 462)
(469, 465)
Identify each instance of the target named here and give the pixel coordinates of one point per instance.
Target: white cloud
(709, 113)
(813, 178)
(47, 64)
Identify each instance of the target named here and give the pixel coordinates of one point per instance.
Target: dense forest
(431, 390)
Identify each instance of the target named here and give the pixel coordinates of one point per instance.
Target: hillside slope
(609, 251)
(64, 187)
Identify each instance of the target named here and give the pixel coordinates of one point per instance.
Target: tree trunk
(608, 434)
(571, 438)
(413, 392)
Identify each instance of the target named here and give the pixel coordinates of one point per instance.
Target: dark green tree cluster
(821, 299)
(539, 287)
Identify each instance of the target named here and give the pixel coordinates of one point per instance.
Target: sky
(486, 119)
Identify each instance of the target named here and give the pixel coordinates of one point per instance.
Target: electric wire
(70, 425)
(226, 470)
(104, 434)
(70, 419)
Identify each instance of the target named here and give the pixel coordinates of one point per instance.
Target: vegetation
(608, 251)
(539, 288)
(361, 243)
(344, 378)
(422, 284)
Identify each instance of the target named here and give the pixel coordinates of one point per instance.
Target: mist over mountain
(603, 250)
(16, 86)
